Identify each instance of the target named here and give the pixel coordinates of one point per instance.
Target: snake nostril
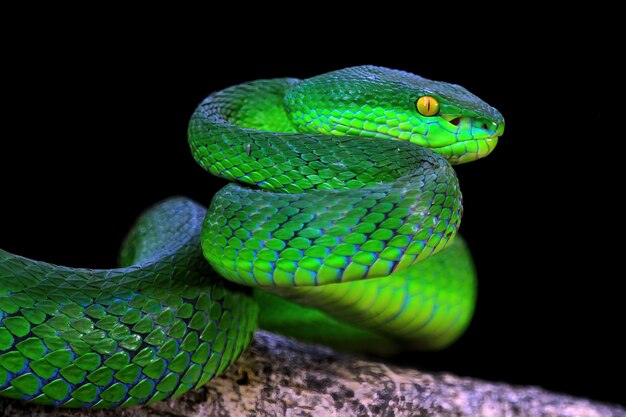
(484, 126)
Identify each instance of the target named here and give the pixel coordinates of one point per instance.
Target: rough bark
(279, 377)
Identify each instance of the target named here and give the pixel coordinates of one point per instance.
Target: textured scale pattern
(121, 337)
(332, 236)
(421, 305)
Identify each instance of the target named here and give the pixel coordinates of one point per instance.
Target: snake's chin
(468, 151)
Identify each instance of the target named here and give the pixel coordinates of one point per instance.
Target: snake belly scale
(342, 216)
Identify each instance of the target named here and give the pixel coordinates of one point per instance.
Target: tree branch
(280, 377)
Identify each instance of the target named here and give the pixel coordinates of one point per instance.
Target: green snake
(342, 191)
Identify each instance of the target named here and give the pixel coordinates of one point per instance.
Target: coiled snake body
(342, 191)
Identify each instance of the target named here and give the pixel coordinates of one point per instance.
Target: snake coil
(342, 216)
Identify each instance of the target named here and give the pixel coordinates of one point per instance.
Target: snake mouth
(483, 140)
(468, 150)
(481, 143)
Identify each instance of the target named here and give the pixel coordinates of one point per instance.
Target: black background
(92, 135)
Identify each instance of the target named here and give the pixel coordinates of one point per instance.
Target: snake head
(378, 102)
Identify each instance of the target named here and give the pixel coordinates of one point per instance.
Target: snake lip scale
(342, 215)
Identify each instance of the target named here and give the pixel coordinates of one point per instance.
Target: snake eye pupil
(427, 106)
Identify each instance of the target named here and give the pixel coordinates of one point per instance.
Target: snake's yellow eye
(427, 106)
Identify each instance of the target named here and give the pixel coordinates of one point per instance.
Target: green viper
(342, 191)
